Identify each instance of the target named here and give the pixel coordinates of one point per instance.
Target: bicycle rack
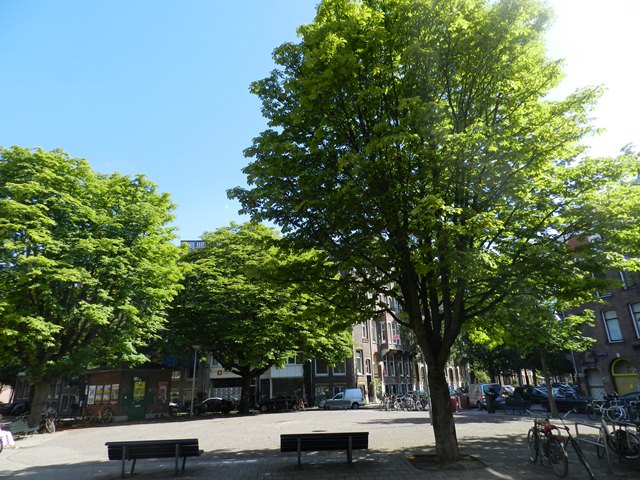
(603, 427)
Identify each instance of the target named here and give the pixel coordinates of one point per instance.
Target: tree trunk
(38, 402)
(444, 427)
(245, 400)
(547, 381)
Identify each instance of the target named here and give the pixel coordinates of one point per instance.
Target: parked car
(214, 405)
(350, 398)
(20, 408)
(530, 393)
(630, 397)
(478, 393)
(5, 408)
(279, 402)
(566, 401)
(508, 389)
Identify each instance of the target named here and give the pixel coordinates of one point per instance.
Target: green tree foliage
(252, 304)
(87, 266)
(415, 142)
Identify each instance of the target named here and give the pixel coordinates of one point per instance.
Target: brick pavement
(246, 447)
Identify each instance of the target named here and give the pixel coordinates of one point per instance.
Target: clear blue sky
(161, 87)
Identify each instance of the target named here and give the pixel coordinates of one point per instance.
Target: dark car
(214, 405)
(20, 408)
(279, 402)
(530, 393)
(567, 401)
(630, 397)
(5, 408)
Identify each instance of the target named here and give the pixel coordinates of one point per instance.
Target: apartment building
(613, 363)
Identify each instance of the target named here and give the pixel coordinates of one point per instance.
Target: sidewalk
(247, 448)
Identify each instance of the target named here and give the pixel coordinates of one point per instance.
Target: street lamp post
(193, 379)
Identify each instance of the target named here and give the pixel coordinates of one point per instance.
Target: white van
(350, 398)
(478, 393)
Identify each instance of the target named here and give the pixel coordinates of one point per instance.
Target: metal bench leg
(177, 457)
(124, 456)
(133, 466)
(349, 450)
(299, 452)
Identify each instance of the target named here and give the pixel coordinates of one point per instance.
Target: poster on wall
(91, 398)
(139, 387)
(99, 393)
(163, 387)
(115, 392)
(106, 394)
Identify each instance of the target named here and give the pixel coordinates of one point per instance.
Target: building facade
(613, 363)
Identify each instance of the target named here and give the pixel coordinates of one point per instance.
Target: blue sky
(162, 87)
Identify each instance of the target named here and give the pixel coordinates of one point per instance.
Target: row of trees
(90, 276)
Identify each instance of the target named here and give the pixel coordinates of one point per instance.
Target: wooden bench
(315, 442)
(135, 450)
(516, 405)
(20, 428)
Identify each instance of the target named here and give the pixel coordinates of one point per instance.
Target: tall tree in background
(87, 266)
(414, 142)
(253, 304)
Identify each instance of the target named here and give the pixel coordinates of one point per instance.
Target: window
(635, 315)
(359, 364)
(407, 370)
(395, 332)
(612, 326)
(365, 329)
(295, 360)
(401, 368)
(322, 368)
(175, 375)
(628, 279)
(367, 366)
(385, 365)
(340, 369)
(382, 332)
(392, 366)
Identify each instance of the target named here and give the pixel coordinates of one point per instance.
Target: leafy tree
(87, 266)
(414, 141)
(247, 301)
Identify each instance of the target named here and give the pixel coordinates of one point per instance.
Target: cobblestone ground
(246, 447)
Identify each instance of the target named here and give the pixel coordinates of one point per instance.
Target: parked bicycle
(623, 440)
(548, 442)
(611, 408)
(101, 415)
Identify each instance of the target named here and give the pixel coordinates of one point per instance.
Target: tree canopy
(253, 304)
(87, 264)
(415, 142)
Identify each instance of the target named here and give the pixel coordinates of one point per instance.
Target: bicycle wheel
(627, 444)
(50, 425)
(557, 456)
(534, 445)
(107, 416)
(593, 413)
(583, 460)
(615, 413)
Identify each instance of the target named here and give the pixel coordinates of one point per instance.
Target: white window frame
(321, 363)
(340, 369)
(634, 308)
(359, 362)
(610, 320)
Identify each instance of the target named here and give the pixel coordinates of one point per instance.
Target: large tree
(415, 142)
(87, 265)
(253, 304)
